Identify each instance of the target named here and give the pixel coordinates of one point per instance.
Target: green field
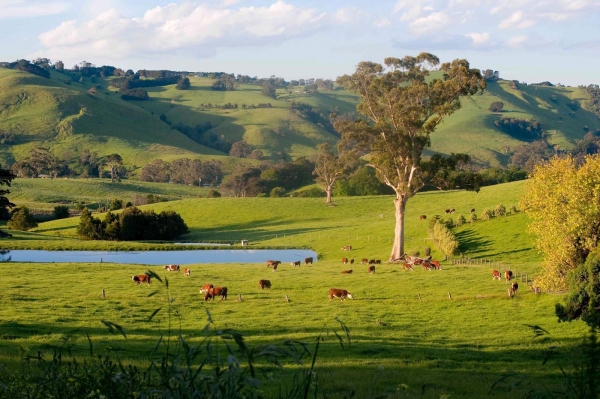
(400, 346)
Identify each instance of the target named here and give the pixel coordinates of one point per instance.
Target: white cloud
(431, 23)
(22, 9)
(516, 41)
(172, 28)
(479, 38)
(516, 21)
(381, 22)
(412, 9)
(428, 8)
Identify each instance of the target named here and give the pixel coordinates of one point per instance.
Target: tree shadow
(471, 242)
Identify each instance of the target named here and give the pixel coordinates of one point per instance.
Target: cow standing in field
(347, 248)
(171, 268)
(512, 290)
(308, 260)
(262, 284)
(423, 217)
(496, 275)
(186, 272)
(378, 261)
(472, 210)
(295, 264)
(273, 263)
(141, 278)
(436, 264)
(205, 288)
(339, 293)
(364, 261)
(351, 261)
(371, 269)
(407, 266)
(344, 260)
(508, 275)
(347, 271)
(216, 291)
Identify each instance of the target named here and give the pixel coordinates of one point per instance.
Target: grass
(400, 345)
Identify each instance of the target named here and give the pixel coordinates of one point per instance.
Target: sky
(527, 40)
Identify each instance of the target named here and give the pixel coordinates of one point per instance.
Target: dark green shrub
(277, 192)
(461, 220)
(213, 194)
(487, 214)
(21, 220)
(473, 217)
(60, 212)
(427, 251)
(500, 210)
(116, 204)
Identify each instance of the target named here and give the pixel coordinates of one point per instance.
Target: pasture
(401, 346)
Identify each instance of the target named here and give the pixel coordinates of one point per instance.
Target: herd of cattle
(210, 291)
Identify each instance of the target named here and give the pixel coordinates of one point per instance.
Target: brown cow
(141, 278)
(262, 284)
(347, 248)
(371, 261)
(447, 211)
(296, 263)
(351, 261)
(273, 263)
(274, 267)
(186, 271)
(205, 288)
(512, 290)
(436, 264)
(347, 271)
(472, 210)
(426, 265)
(344, 260)
(496, 275)
(378, 261)
(422, 217)
(171, 268)
(451, 210)
(364, 261)
(407, 266)
(508, 275)
(216, 291)
(339, 293)
(308, 260)
(371, 269)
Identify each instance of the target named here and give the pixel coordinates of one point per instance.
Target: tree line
(183, 171)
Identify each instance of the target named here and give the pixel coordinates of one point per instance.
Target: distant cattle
(371, 269)
(512, 290)
(508, 275)
(186, 271)
(344, 260)
(347, 248)
(451, 210)
(371, 261)
(407, 266)
(141, 278)
(339, 293)
(378, 261)
(273, 263)
(275, 267)
(308, 260)
(216, 291)
(422, 217)
(171, 268)
(296, 263)
(447, 211)
(496, 275)
(472, 210)
(426, 265)
(364, 261)
(351, 261)
(262, 284)
(347, 271)
(205, 288)
(436, 264)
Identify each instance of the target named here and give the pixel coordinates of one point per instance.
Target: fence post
(420, 300)
(449, 296)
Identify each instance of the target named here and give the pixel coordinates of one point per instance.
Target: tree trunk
(398, 248)
(328, 200)
(112, 174)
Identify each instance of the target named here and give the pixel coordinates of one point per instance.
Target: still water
(159, 257)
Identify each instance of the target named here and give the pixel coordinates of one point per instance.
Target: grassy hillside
(400, 346)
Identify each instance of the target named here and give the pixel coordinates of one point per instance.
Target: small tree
(60, 212)
(213, 194)
(240, 149)
(473, 218)
(183, 84)
(277, 192)
(21, 220)
(497, 106)
(268, 89)
(461, 220)
(487, 214)
(500, 210)
(116, 204)
(330, 167)
(113, 162)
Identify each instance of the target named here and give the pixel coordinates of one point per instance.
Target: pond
(160, 257)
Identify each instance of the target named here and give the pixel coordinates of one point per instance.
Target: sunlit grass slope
(399, 343)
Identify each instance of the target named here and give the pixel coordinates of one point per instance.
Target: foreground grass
(400, 344)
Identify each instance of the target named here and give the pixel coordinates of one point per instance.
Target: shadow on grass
(472, 243)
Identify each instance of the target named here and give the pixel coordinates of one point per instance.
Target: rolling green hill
(67, 119)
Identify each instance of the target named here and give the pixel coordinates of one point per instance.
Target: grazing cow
(496, 275)
(426, 265)
(513, 289)
(216, 291)
(407, 266)
(344, 260)
(447, 211)
(347, 271)
(451, 210)
(296, 263)
(351, 261)
(273, 263)
(371, 269)
(371, 261)
(472, 210)
(436, 264)
(308, 260)
(141, 278)
(205, 288)
(364, 261)
(262, 284)
(339, 293)
(422, 217)
(378, 261)
(347, 248)
(508, 275)
(186, 272)
(275, 267)
(171, 268)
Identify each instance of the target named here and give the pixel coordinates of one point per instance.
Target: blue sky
(527, 40)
